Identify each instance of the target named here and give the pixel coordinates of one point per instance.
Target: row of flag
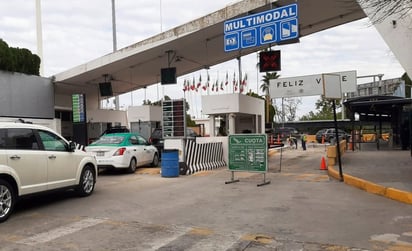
(214, 86)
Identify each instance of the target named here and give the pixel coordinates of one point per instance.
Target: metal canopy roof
(194, 46)
(376, 105)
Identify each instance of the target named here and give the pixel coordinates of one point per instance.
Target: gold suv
(36, 159)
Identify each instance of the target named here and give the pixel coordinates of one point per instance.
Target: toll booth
(144, 119)
(234, 113)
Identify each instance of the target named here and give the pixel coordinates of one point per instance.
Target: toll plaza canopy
(195, 45)
(373, 107)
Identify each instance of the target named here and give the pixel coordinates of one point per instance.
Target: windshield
(111, 140)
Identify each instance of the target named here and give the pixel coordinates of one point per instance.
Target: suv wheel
(87, 182)
(7, 198)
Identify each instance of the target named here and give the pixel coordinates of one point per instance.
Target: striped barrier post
(204, 156)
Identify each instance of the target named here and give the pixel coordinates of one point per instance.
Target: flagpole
(240, 70)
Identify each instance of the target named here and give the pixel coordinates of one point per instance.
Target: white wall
(107, 116)
(144, 113)
(220, 104)
(237, 104)
(397, 33)
(54, 124)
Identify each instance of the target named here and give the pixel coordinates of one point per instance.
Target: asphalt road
(301, 209)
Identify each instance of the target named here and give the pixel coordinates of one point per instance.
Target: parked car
(36, 159)
(115, 129)
(319, 134)
(123, 151)
(329, 134)
(156, 138)
(286, 132)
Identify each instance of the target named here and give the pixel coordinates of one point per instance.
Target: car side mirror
(72, 146)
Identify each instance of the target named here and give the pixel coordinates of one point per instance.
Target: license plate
(99, 154)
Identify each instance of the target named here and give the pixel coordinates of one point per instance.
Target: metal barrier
(203, 156)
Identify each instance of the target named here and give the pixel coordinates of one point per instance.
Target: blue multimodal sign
(267, 27)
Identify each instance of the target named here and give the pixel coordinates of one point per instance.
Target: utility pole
(39, 36)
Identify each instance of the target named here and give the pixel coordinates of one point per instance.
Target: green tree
(265, 89)
(290, 107)
(5, 56)
(18, 60)
(271, 107)
(383, 9)
(324, 108)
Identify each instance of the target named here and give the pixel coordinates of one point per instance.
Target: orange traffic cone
(323, 164)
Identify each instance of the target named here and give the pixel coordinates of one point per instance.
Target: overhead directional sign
(266, 27)
(309, 85)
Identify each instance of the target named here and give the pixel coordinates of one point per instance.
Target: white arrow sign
(309, 85)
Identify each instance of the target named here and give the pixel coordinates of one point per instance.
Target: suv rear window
(20, 138)
(2, 138)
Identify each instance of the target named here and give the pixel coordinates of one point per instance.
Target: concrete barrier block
(399, 195)
(331, 152)
(331, 161)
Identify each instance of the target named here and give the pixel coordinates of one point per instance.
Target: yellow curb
(389, 192)
(399, 195)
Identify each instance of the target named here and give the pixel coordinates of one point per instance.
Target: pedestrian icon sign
(266, 27)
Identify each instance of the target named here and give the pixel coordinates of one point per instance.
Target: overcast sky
(78, 31)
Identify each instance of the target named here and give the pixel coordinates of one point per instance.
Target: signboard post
(248, 153)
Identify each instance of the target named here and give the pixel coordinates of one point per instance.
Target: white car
(36, 159)
(123, 151)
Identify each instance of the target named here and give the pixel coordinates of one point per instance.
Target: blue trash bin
(170, 163)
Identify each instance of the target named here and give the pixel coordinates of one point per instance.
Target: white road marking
(216, 242)
(60, 231)
(177, 232)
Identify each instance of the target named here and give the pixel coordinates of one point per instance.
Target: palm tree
(265, 89)
(266, 79)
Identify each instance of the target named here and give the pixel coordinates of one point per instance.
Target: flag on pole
(227, 79)
(200, 81)
(244, 82)
(193, 84)
(206, 85)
